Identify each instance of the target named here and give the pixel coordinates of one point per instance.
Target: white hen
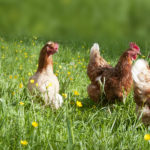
(44, 80)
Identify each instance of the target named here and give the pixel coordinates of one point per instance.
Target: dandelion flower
(37, 84)
(29, 73)
(20, 85)
(13, 93)
(76, 93)
(34, 124)
(10, 77)
(24, 142)
(32, 81)
(71, 79)
(68, 73)
(21, 103)
(64, 95)
(79, 104)
(15, 77)
(49, 85)
(60, 66)
(147, 137)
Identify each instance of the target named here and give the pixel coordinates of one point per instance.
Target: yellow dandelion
(76, 93)
(32, 81)
(49, 85)
(29, 73)
(15, 77)
(79, 104)
(21, 103)
(24, 142)
(13, 93)
(20, 67)
(60, 66)
(147, 137)
(64, 95)
(3, 56)
(20, 85)
(56, 74)
(10, 77)
(68, 73)
(34, 124)
(37, 84)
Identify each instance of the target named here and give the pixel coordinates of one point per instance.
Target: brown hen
(116, 81)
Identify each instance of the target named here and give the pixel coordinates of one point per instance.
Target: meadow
(80, 123)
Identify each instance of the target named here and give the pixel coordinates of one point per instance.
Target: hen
(141, 78)
(114, 82)
(44, 80)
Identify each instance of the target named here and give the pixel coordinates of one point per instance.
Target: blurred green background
(76, 19)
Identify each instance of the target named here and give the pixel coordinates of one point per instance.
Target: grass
(92, 126)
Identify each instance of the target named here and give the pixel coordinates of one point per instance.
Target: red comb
(133, 45)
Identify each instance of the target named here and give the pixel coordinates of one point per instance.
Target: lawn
(90, 127)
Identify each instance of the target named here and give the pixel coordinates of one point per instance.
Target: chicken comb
(133, 45)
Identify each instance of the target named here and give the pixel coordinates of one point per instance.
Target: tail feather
(94, 51)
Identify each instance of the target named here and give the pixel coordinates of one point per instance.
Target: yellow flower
(56, 74)
(3, 56)
(34, 124)
(10, 77)
(13, 93)
(68, 73)
(24, 142)
(20, 67)
(20, 85)
(21, 103)
(15, 77)
(76, 93)
(32, 81)
(64, 95)
(37, 84)
(29, 73)
(147, 137)
(50, 84)
(71, 79)
(78, 103)
(60, 66)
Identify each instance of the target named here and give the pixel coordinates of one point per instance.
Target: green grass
(110, 127)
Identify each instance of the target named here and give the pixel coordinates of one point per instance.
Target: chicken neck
(45, 64)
